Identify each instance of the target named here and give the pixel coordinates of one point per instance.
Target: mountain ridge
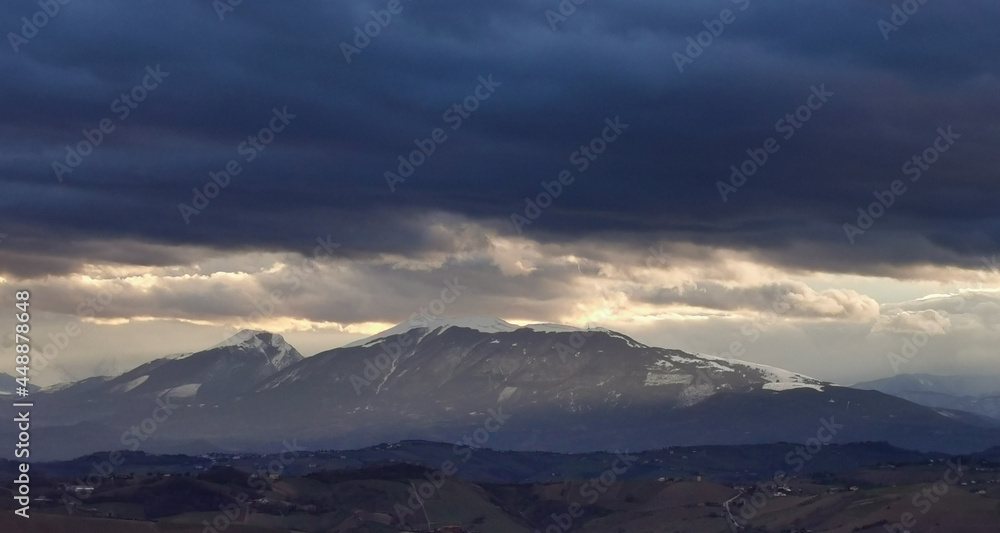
(560, 389)
(979, 394)
(9, 385)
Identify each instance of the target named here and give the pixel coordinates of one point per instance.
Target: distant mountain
(726, 464)
(482, 381)
(975, 394)
(219, 374)
(9, 385)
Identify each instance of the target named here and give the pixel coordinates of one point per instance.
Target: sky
(810, 185)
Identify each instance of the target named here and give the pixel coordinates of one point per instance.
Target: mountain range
(481, 381)
(978, 394)
(9, 385)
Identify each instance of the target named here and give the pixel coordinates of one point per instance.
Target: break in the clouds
(805, 154)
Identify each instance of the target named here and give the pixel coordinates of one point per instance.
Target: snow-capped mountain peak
(279, 352)
(437, 323)
(477, 323)
(245, 337)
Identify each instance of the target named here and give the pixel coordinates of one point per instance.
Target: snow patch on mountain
(245, 338)
(783, 386)
(717, 371)
(695, 394)
(778, 379)
(707, 362)
(782, 380)
(125, 387)
(654, 379)
(184, 391)
(507, 392)
(631, 343)
(662, 372)
(57, 387)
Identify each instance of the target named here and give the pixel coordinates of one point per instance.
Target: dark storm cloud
(324, 173)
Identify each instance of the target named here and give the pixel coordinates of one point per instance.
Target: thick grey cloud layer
(324, 173)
